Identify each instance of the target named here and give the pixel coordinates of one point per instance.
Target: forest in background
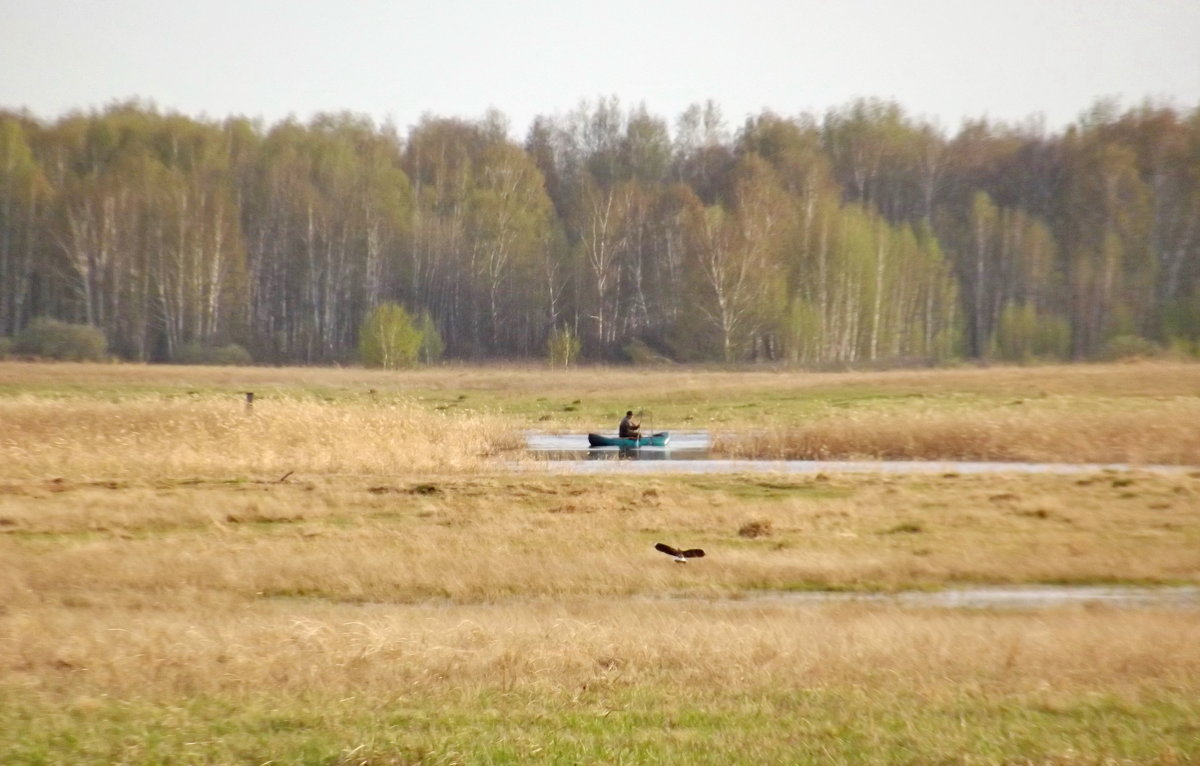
(861, 236)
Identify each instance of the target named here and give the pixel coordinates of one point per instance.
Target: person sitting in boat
(628, 429)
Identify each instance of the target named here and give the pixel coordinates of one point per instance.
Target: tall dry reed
(152, 435)
(1149, 432)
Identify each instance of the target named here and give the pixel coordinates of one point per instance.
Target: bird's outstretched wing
(692, 553)
(667, 550)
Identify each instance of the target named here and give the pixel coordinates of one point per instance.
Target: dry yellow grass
(469, 540)
(1153, 432)
(1137, 413)
(358, 580)
(568, 647)
(151, 435)
(1142, 379)
(407, 593)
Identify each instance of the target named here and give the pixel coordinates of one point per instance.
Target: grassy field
(1139, 413)
(349, 573)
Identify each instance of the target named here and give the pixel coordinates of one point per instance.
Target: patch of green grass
(607, 722)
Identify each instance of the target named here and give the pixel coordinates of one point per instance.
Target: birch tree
(24, 196)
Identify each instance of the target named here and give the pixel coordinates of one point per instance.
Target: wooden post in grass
(249, 402)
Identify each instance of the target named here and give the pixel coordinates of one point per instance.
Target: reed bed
(1157, 431)
(152, 435)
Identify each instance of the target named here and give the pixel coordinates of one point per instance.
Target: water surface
(683, 445)
(1017, 597)
(643, 464)
(689, 452)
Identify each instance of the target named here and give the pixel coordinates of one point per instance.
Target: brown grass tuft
(756, 528)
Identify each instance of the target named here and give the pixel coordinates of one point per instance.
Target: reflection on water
(683, 445)
(689, 452)
(621, 453)
(670, 464)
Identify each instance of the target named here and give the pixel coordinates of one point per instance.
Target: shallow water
(996, 597)
(683, 445)
(643, 464)
(688, 452)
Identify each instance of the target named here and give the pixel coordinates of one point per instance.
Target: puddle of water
(997, 597)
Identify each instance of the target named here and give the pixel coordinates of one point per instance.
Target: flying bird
(680, 557)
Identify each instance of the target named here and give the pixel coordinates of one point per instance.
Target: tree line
(860, 235)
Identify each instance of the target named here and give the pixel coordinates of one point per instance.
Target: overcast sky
(943, 60)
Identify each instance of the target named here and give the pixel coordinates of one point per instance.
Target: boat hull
(649, 440)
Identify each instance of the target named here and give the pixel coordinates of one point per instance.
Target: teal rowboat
(649, 440)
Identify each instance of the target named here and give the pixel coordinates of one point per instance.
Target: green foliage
(432, 347)
(230, 354)
(53, 339)
(1023, 335)
(563, 347)
(388, 338)
(1181, 323)
(947, 344)
(1182, 347)
(692, 337)
(802, 332)
(1129, 347)
(857, 236)
(640, 352)
(6, 347)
